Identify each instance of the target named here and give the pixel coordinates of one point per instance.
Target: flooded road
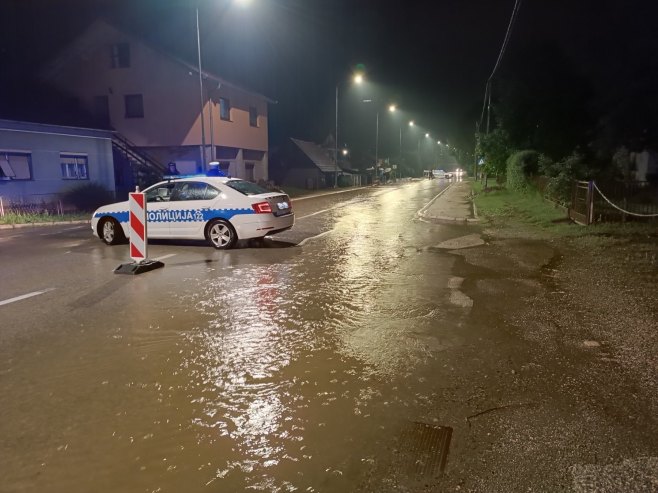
(356, 352)
(272, 369)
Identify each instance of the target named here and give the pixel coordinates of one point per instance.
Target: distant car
(219, 209)
(448, 175)
(439, 173)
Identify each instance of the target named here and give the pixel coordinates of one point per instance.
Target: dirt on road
(573, 399)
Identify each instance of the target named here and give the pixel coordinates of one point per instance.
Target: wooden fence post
(589, 214)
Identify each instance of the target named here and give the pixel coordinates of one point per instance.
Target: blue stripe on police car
(181, 215)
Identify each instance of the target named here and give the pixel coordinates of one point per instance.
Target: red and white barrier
(138, 240)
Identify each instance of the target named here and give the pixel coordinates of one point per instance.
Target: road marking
(425, 207)
(297, 199)
(303, 242)
(24, 296)
(165, 256)
(316, 213)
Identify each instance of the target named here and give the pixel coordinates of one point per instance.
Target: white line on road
(165, 256)
(425, 207)
(318, 195)
(24, 296)
(303, 242)
(316, 213)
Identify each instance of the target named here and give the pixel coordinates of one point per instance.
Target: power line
(487, 90)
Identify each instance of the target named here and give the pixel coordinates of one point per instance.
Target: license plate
(282, 205)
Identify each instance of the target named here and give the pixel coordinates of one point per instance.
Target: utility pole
(203, 125)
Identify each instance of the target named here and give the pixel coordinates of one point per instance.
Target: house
(153, 101)
(303, 164)
(39, 161)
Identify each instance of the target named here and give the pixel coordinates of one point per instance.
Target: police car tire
(118, 236)
(233, 236)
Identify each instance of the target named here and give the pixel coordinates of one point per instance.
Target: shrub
(561, 175)
(522, 166)
(87, 197)
(495, 147)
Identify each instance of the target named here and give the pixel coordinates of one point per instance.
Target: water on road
(276, 369)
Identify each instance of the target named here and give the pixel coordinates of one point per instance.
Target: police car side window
(211, 193)
(159, 194)
(189, 190)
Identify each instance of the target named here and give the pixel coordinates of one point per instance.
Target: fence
(613, 201)
(32, 204)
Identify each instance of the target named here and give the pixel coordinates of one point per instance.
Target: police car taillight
(262, 208)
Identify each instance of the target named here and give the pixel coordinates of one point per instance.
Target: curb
(448, 219)
(36, 225)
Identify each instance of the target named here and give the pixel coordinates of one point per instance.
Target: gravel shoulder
(572, 317)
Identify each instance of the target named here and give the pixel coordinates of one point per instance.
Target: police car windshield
(246, 187)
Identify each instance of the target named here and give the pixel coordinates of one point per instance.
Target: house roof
(88, 41)
(22, 126)
(321, 157)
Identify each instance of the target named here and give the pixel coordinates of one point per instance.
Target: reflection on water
(287, 376)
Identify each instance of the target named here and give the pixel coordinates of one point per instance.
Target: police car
(219, 209)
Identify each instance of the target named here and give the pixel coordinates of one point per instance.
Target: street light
(392, 108)
(411, 123)
(198, 47)
(358, 79)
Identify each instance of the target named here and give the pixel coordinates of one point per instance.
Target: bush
(87, 197)
(522, 166)
(561, 175)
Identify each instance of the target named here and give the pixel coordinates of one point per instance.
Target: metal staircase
(144, 168)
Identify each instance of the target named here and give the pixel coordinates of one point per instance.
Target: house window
(249, 171)
(120, 55)
(74, 167)
(134, 106)
(253, 116)
(15, 166)
(225, 109)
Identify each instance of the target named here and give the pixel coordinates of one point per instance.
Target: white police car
(219, 209)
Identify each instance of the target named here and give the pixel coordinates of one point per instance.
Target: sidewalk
(452, 205)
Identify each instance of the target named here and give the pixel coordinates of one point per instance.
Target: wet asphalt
(326, 358)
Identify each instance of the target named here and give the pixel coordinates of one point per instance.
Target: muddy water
(269, 370)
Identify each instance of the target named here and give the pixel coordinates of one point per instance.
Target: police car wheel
(221, 234)
(110, 231)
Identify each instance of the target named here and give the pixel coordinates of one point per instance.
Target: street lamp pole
(203, 125)
(336, 144)
(377, 146)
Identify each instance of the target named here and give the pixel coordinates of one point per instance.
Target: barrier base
(135, 268)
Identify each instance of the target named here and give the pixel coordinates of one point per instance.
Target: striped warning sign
(138, 241)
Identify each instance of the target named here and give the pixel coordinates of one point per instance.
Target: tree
(495, 148)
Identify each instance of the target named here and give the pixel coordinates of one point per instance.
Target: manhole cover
(424, 449)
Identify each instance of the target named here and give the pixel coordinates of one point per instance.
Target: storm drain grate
(424, 449)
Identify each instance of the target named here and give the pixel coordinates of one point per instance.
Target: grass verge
(33, 218)
(504, 207)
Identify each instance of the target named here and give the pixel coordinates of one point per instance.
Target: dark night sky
(431, 57)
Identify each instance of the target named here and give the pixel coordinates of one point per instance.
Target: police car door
(157, 210)
(188, 203)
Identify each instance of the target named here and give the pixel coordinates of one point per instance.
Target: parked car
(219, 209)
